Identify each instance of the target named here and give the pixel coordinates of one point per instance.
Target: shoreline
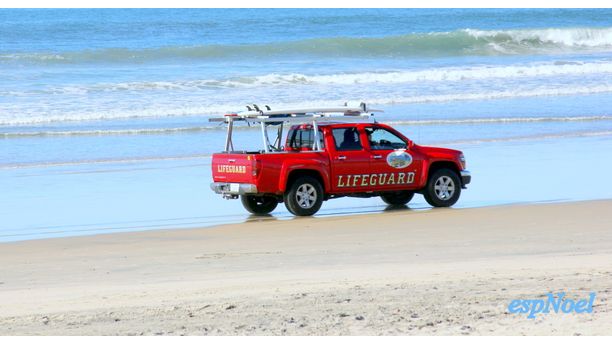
(286, 216)
(446, 271)
(145, 196)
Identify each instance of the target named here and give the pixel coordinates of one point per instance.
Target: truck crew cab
(330, 153)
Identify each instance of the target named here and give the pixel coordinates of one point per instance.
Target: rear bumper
(466, 178)
(233, 188)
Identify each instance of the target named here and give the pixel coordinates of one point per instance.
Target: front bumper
(466, 178)
(233, 188)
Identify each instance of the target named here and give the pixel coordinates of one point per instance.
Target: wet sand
(446, 271)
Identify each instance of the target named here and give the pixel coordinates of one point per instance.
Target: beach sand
(441, 271)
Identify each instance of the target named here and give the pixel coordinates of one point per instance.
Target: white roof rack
(255, 113)
(266, 117)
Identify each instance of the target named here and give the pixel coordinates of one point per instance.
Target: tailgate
(233, 168)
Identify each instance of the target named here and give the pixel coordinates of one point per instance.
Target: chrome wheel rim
(444, 187)
(306, 196)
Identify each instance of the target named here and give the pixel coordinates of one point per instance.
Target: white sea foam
(196, 129)
(501, 120)
(570, 37)
(132, 160)
(115, 132)
(552, 69)
(448, 74)
(17, 119)
(537, 92)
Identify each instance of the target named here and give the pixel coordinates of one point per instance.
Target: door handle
(341, 157)
(376, 156)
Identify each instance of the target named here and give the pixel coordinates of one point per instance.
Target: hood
(437, 152)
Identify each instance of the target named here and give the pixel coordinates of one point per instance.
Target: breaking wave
(454, 43)
(553, 69)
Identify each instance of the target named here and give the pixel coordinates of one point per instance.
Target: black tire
(259, 205)
(294, 196)
(397, 198)
(436, 194)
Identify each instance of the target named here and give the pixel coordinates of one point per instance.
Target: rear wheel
(397, 198)
(443, 188)
(259, 205)
(304, 197)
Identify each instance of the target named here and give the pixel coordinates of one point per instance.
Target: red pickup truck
(326, 158)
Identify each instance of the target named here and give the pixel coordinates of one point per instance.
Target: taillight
(256, 168)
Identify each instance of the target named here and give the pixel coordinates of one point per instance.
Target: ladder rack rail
(279, 117)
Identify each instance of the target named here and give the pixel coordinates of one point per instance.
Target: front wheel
(443, 188)
(259, 205)
(397, 198)
(304, 197)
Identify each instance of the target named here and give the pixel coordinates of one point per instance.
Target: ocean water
(104, 113)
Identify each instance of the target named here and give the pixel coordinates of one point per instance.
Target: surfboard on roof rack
(261, 114)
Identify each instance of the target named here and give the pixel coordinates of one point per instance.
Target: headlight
(462, 160)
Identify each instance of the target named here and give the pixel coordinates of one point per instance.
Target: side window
(347, 139)
(304, 138)
(381, 138)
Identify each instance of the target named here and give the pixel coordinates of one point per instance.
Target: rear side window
(381, 138)
(303, 138)
(347, 139)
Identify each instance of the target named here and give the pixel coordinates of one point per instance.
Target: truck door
(395, 166)
(349, 160)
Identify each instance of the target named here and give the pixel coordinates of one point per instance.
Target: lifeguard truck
(329, 153)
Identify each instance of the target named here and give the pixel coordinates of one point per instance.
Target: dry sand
(444, 271)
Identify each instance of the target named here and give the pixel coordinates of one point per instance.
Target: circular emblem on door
(399, 159)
